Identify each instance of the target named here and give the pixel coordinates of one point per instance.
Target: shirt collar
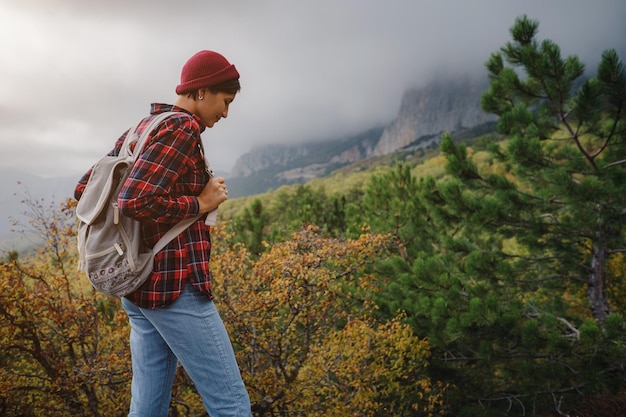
(156, 108)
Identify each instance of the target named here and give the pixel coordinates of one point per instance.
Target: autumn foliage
(307, 342)
(300, 317)
(64, 348)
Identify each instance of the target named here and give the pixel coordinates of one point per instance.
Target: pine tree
(251, 226)
(515, 298)
(532, 231)
(566, 148)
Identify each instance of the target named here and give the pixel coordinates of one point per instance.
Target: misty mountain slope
(451, 105)
(269, 167)
(356, 176)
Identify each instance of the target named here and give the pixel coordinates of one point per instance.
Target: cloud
(77, 73)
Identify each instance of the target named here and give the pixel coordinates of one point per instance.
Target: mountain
(268, 167)
(451, 105)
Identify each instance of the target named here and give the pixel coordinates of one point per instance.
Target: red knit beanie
(205, 69)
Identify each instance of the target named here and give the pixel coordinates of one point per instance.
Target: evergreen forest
(484, 278)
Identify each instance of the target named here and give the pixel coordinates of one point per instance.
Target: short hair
(229, 87)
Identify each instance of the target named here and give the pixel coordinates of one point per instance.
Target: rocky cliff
(425, 113)
(443, 106)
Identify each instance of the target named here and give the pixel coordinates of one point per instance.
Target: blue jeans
(191, 331)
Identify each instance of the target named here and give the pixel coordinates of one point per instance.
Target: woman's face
(213, 107)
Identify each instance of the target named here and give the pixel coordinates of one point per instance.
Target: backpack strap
(171, 234)
(131, 137)
(140, 140)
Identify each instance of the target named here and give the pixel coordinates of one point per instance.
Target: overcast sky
(74, 74)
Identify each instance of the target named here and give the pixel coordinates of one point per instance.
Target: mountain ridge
(445, 105)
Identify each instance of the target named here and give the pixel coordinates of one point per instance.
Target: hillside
(277, 165)
(356, 176)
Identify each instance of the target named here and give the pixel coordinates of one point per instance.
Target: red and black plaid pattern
(160, 191)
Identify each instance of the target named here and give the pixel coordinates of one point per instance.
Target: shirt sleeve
(152, 192)
(80, 187)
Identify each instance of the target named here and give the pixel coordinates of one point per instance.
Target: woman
(172, 315)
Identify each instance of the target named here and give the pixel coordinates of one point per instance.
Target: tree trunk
(596, 290)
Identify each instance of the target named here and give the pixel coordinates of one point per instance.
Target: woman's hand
(213, 194)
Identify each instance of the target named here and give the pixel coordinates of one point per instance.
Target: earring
(201, 98)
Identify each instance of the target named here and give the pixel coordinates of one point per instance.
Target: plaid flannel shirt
(159, 192)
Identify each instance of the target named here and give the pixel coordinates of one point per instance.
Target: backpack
(110, 245)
